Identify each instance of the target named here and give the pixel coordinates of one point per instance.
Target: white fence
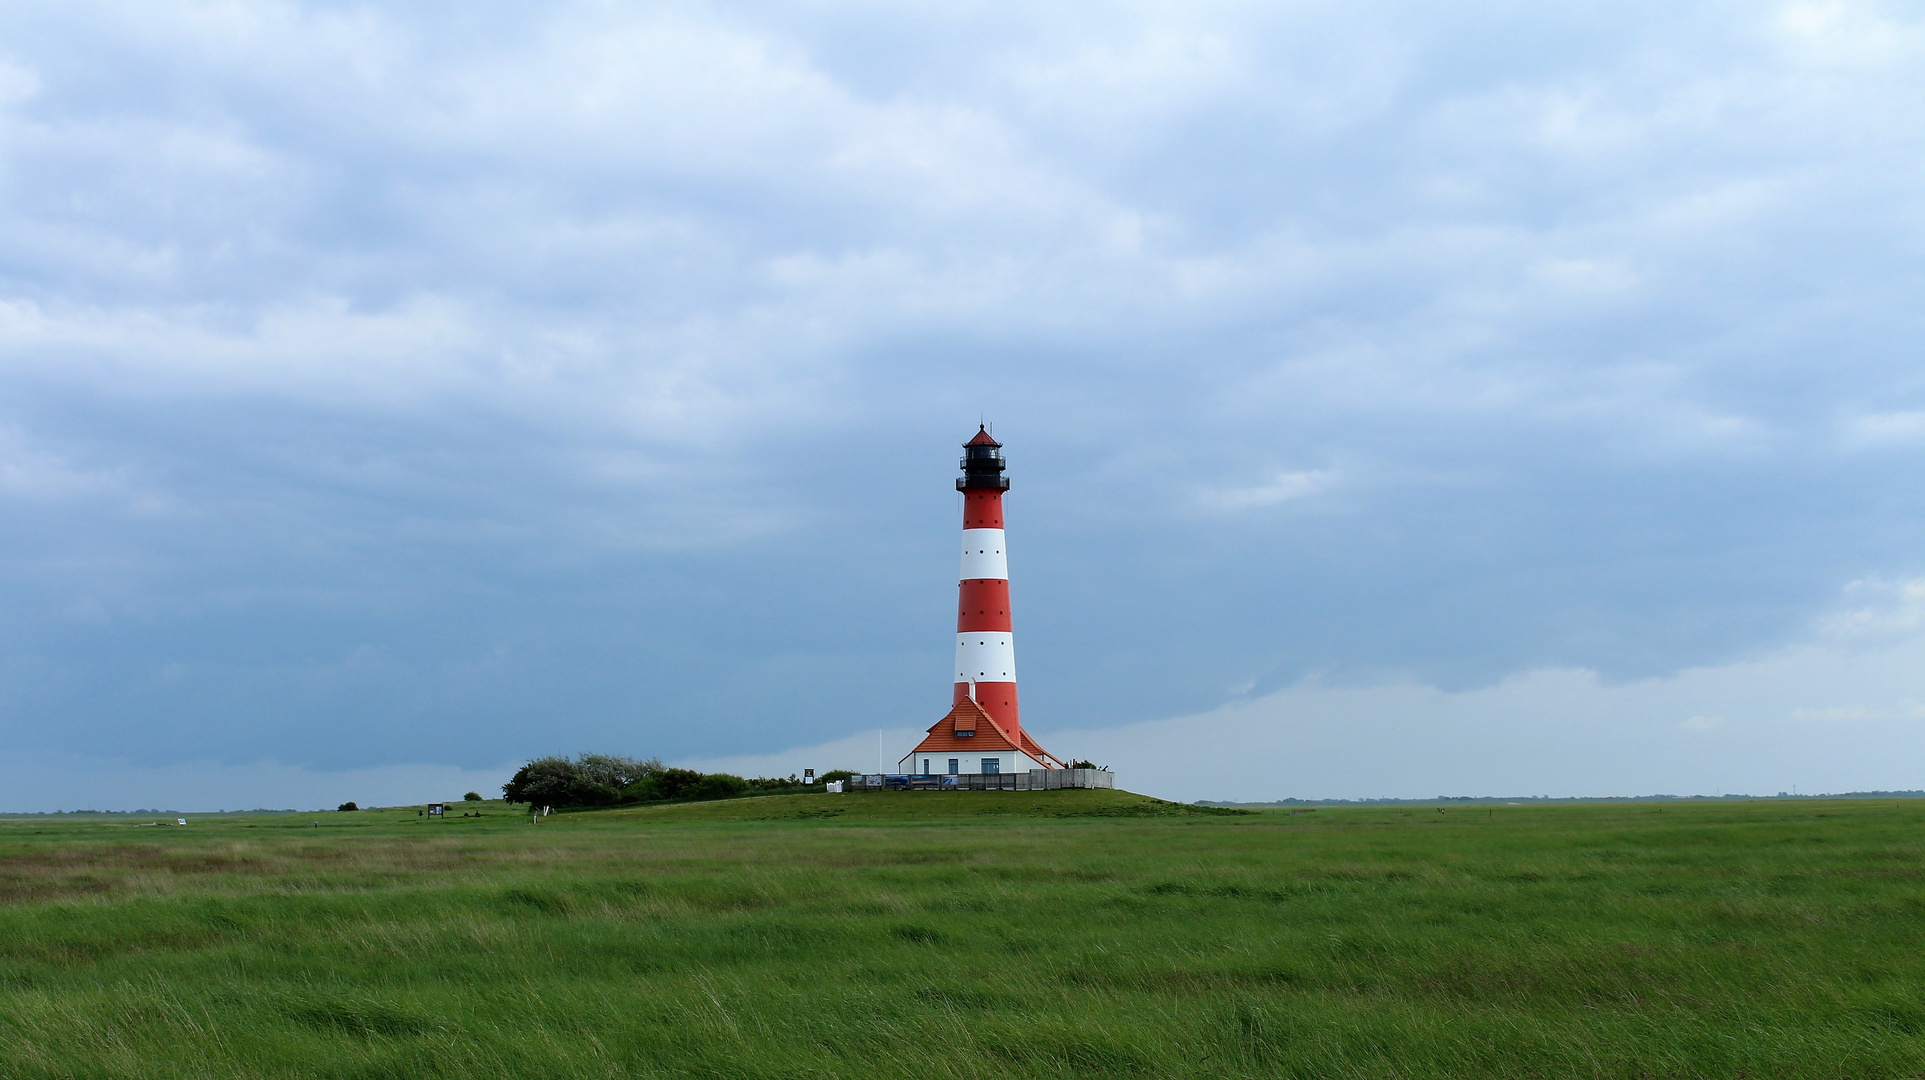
(1032, 780)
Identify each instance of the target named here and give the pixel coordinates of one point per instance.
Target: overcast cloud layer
(388, 394)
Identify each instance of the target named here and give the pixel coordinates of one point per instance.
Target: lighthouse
(983, 731)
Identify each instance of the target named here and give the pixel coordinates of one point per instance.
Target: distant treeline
(608, 780)
(1519, 800)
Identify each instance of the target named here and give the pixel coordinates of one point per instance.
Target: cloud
(1820, 716)
(1878, 609)
(442, 382)
(29, 472)
(1283, 487)
(1886, 429)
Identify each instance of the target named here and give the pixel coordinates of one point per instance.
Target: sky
(1400, 399)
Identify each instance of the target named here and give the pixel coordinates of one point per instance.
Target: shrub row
(608, 780)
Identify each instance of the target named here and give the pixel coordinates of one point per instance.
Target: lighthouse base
(1028, 780)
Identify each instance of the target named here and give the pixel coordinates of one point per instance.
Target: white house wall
(1012, 761)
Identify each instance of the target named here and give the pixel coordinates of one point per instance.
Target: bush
(833, 775)
(777, 783)
(607, 780)
(720, 785)
(472, 796)
(346, 806)
(667, 784)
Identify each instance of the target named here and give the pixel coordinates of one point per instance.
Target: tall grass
(971, 935)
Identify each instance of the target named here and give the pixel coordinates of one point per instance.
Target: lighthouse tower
(985, 644)
(984, 730)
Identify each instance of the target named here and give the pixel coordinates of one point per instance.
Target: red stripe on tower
(985, 646)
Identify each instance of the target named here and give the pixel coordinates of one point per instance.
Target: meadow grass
(977, 934)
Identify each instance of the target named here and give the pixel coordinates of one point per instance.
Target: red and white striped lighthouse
(985, 642)
(983, 731)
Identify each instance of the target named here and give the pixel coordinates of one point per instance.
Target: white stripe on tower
(985, 658)
(982, 555)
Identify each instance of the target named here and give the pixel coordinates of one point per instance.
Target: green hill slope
(920, 806)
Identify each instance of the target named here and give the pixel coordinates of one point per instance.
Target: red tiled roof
(969, 716)
(965, 716)
(1048, 759)
(983, 438)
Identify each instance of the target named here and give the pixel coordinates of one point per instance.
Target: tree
(346, 806)
(472, 796)
(556, 781)
(588, 780)
(616, 772)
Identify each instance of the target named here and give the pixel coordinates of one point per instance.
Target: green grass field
(988, 934)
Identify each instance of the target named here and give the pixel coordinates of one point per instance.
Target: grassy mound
(922, 806)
